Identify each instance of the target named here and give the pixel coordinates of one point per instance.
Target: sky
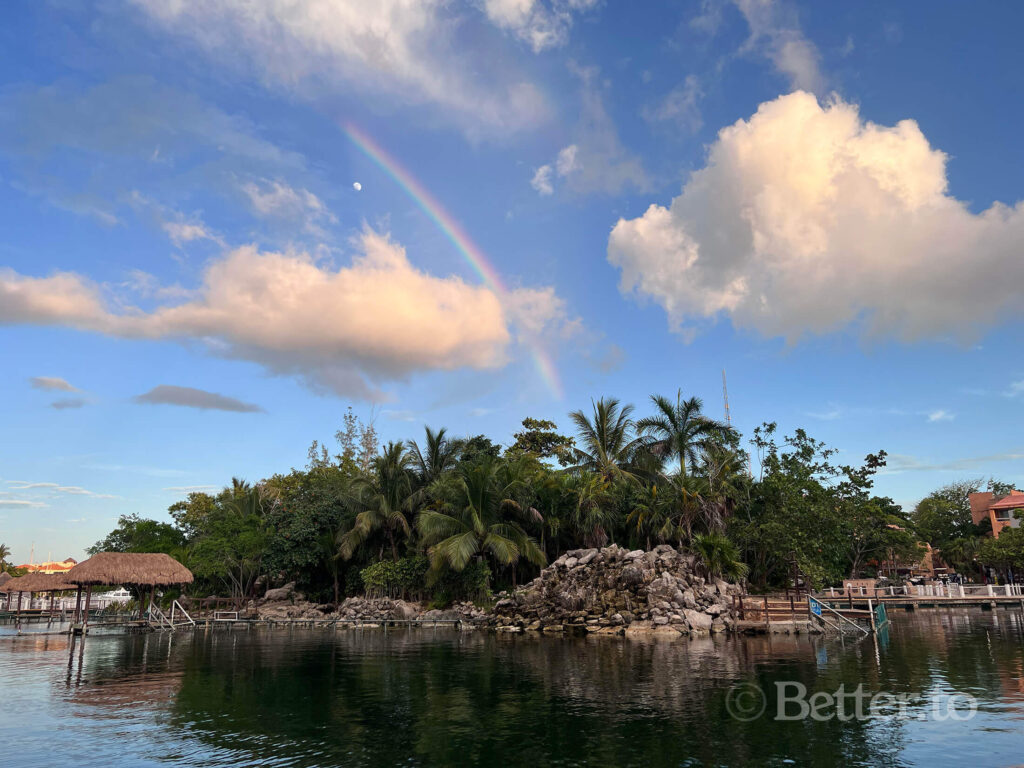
(223, 223)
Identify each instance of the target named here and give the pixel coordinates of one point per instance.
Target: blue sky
(823, 201)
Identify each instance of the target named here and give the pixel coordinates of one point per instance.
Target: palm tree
(480, 514)
(330, 542)
(608, 444)
(594, 513)
(384, 497)
(5, 552)
(438, 455)
(681, 430)
(719, 557)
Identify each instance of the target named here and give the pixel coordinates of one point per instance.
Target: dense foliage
(448, 518)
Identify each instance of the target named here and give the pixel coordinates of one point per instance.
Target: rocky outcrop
(602, 591)
(617, 591)
(290, 605)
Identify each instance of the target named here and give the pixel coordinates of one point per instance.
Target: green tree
(385, 499)
(681, 431)
(437, 456)
(718, 557)
(310, 506)
(607, 443)
(480, 515)
(477, 448)
(233, 542)
(138, 534)
(945, 513)
(540, 438)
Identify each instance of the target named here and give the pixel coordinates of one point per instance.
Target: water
(426, 697)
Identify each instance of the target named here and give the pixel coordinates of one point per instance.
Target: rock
(404, 611)
(281, 593)
(698, 621)
(587, 556)
(635, 554)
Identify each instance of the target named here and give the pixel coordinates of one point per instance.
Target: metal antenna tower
(725, 398)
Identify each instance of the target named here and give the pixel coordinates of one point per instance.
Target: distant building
(999, 510)
(61, 566)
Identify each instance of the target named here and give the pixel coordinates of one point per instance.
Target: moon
(357, 186)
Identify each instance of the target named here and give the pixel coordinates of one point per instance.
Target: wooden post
(88, 599)
(767, 620)
(871, 614)
(78, 606)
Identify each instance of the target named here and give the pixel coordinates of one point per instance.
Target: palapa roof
(135, 568)
(4, 578)
(38, 582)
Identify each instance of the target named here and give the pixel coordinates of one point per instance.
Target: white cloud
(341, 330)
(542, 25)
(103, 137)
(542, 181)
(940, 415)
(596, 161)
(680, 108)
(566, 161)
(71, 490)
(23, 503)
(1016, 388)
(899, 462)
(775, 32)
(405, 50)
(277, 199)
(806, 218)
(52, 384)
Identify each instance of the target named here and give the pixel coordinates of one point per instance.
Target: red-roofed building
(60, 566)
(998, 510)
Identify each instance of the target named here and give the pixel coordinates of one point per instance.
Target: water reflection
(440, 697)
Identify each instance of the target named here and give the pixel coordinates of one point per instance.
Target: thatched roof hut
(129, 568)
(4, 578)
(38, 582)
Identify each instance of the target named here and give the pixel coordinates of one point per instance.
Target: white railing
(176, 608)
(932, 590)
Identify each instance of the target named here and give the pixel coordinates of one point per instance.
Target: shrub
(405, 578)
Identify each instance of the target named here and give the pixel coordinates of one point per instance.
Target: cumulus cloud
(343, 330)
(541, 25)
(405, 50)
(188, 397)
(807, 218)
(52, 384)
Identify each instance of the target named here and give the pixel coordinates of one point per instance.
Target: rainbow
(451, 229)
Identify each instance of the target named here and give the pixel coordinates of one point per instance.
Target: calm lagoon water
(441, 697)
